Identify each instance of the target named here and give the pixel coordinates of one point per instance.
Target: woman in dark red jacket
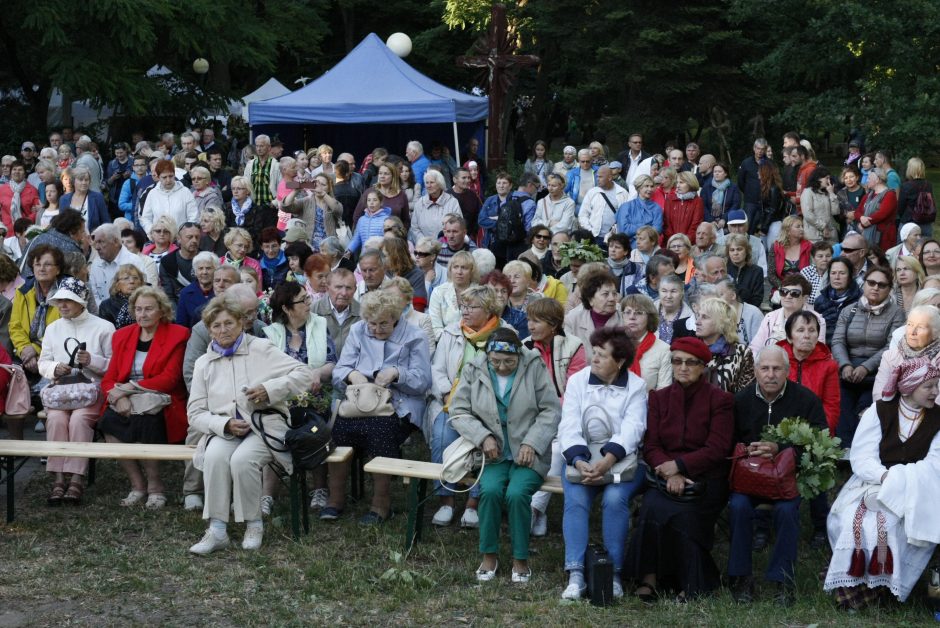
(879, 210)
(147, 355)
(689, 432)
(683, 211)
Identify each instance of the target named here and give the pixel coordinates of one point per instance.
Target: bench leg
(91, 472)
(11, 485)
(358, 479)
(294, 505)
(416, 497)
(304, 502)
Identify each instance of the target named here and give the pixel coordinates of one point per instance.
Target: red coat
(885, 218)
(820, 373)
(682, 217)
(29, 202)
(163, 370)
(5, 378)
(780, 257)
(693, 426)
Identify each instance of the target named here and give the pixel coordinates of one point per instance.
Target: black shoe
(760, 541)
(785, 595)
(742, 589)
(820, 540)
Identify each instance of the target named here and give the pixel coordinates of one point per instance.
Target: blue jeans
(786, 516)
(615, 518)
(442, 435)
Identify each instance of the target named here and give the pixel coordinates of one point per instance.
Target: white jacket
(86, 327)
(427, 217)
(594, 209)
(625, 402)
(178, 203)
(656, 366)
(556, 215)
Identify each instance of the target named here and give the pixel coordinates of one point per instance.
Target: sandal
(73, 496)
(58, 492)
(156, 501)
(647, 598)
(133, 498)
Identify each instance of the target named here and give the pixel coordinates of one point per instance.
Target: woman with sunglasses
(863, 333)
(794, 293)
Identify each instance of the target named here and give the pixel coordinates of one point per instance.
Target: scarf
(37, 327)
(123, 317)
(648, 341)
(241, 211)
(271, 264)
(502, 406)
(872, 203)
(685, 196)
(237, 263)
(718, 198)
(929, 352)
(475, 343)
(226, 352)
(617, 267)
(16, 202)
(720, 347)
(874, 309)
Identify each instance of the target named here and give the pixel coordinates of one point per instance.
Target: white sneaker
(443, 516)
(193, 502)
(618, 588)
(40, 427)
(573, 592)
(319, 497)
(539, 523)
(470, 519)
(253, 536)
(209, 543)
(267, 505)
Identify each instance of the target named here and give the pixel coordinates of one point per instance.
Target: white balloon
(400, 44)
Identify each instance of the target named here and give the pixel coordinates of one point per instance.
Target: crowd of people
(620, 322)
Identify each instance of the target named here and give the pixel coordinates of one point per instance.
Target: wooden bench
(299, 506)
(424, 472)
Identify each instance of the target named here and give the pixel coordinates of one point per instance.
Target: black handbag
(691, 493)
(309, 444)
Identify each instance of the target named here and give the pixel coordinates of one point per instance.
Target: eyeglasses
(188, 225)
(423, 253)
(381, 325)
(388, 230)
(688, 362)
(466, 307)
(306, 299)
(795, 293)
(881, 285)
(504, 362)
(45, 265)
(541, 236)
(632, 313)
(930, 252)
(159, 231)
(847, 249)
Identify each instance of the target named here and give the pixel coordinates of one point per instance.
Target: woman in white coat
(652, 359)
(604, 405)
(883, 525)
(168, 197)
(237, 406)
(61, 354)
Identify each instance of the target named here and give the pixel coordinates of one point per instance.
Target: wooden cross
(496, 56)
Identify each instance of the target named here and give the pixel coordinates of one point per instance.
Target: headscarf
(908, 375)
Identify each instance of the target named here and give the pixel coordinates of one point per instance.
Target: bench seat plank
(430, 471)
(117, 451)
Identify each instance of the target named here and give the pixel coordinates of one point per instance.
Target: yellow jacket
(24, 308)
(554, 289)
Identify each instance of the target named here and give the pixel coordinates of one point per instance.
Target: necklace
(914, 417)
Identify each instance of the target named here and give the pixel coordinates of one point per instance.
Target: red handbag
(766, 478)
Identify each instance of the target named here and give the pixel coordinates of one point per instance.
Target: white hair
(437, 176)
(109, 230)
(771, 350)
(206, 257)
(484, 259)
(416, 146)
(262, 138)
(584, 152)
(932, 314)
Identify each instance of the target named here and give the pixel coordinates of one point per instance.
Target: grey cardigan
(534, 410)
(862, 336)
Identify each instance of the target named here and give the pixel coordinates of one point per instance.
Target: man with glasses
(582, 179)
(28, 156)
(855, 248)
(111, 256)
(176, 268)
(264, 172)
(455, 239)
(632, 157)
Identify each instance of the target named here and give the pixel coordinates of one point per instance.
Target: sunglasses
(881, 285)
(846, 249)
(689, 362)
(188, 225)
(540, 236)
(423, 254)
(795, 293)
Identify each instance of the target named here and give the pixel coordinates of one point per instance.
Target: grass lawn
(105, 565)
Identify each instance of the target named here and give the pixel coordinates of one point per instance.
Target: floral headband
(501, 346)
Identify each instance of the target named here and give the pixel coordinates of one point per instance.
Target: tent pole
(456, 145)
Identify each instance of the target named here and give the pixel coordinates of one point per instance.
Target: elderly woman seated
(883, 525)
(606, 406)
(919, 338)
(238, 407)
(689, 431)
(116, 309)
(385, 350)
(600, 300)
(506, 405)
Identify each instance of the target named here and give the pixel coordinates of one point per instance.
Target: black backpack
(510, 224)
(925, 211)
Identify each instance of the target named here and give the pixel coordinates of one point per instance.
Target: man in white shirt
(599, 208)
(111, 255)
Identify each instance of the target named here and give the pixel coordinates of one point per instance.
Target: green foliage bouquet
(585, 250)
(816, 472)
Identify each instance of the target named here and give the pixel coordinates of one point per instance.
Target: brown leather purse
(765, 478)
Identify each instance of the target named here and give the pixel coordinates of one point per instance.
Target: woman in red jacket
(789, 254)
(812, 365)
(879, 208)
(147, 356)
(684, 211)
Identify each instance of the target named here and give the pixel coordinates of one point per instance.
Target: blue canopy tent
(371, 98)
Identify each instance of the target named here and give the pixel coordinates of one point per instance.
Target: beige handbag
(366, 400)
